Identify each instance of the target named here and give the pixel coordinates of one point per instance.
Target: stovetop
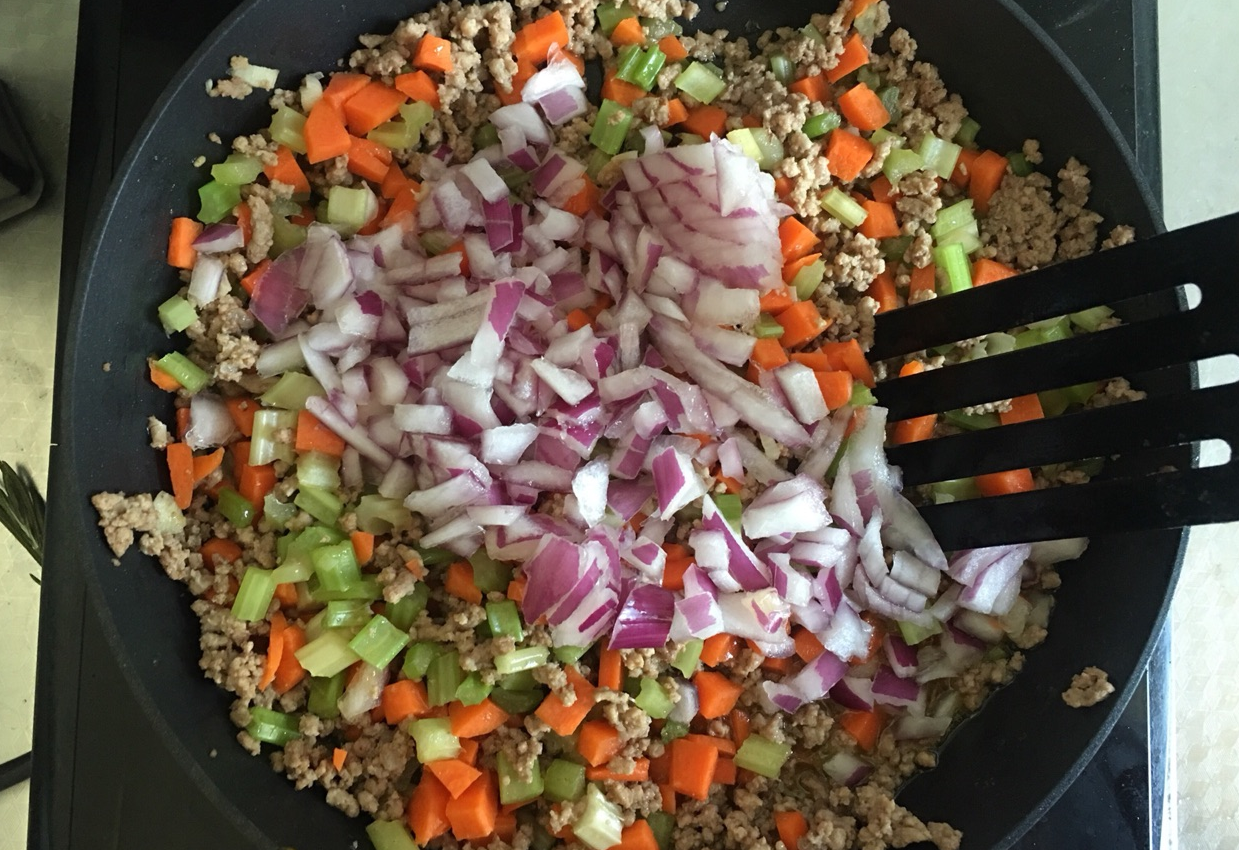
(88, 793)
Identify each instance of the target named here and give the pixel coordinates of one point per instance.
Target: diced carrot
(458, 581)
(598, 742)
(326, 137)
(863, 726)
(692, 767)
(163, 380)
(314, 436)
(731, 484)
(286, 594)
(677, 112)
(516, 589)
(180, 458)
(863, 108)
(469, 748)
(455, 775)
(433, 54)
(795, 239)
(815, 88)
(836, 387)
(880, 223)
(363, 546)
(577, 61)
(962, 174)
(368, 159)
(776, 300)
(474, 721)
(628, 31)
(854, 11)
(585, 200)
(204, 465)
(673, 48)
(338, 758)
(725, 746)
(533, 41)
(673, 572)
(883, 291)
(304, 218)
(512, 94)
(255, 482)
(402, 700)
(459, 248)
(577, 319)
(505, 826)
(219, 550)
(986, 271)
(808, 647)
(402, 206)
(881, 189)
(912, 367)
(985, 177)
(623, 93)
(638, 836)
(778, 665)
(847, 355)
(290, 672)
(847, 154)
(610, 669)
(242, 410)
(1002, 483)
(750, 121)
(791, 827)
(802, 322)
(923, 280)
(914, 430)
(427, 810)
(660, 768)
(793, 268)
(565, 719)
(472, 814)
(418, 85)
(668, 794)
(716, 694)
(393, 181)
(286, 170)
(375, 104)
(1024, 408)
(250, 281)
(768, 354)
(815, 360)
(739, 726)
(724, 772)
(275, 650)
(341, 87)
(245, 220)
(181, 253)
(717, 649)
(706, 120)
(855, 55)
(783, 187)
(640, 773)
(240, 457)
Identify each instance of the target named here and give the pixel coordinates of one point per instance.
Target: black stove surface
(87, 793)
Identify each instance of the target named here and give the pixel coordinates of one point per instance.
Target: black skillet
(999, 773)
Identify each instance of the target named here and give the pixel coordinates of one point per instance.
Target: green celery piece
(1029, 338)
(526, 658)
(953, 217)
(564, 781)
(812, 33)
(900, 162)
(808, 279)
(893, 249)
(767, 327)
(762, 756)
(782, 67)
(350, 208)
(236, 508)
(913, 634)
(522, 681)
(968, 129)
(291, 391)
(971, 421)
(434, 739)
(1090, 320)
(435, 242)
(890, 100)
(610, 127)
(862, 396)
(816, 126)
(187, 373)
(729, 506)
(417, 114)
(335, 565)
(759, 144)
(1081, 393)
(640, 67)
(368, 589)
(662, 824)
(276, 513)
(379, 642)
(867, 75)
(952, 260)
(472, 690)
(594, 164)
(653, 699)
(378, 515)
(882, 134)
(999, 343)
(513, 789)
(505, 619)
(957, 489)
(328, 654)
(317, 469)
(436, 557)
(1020, 166)
(610, 14)
(690, 139)
(390, 835)
(254, 595)
(833, 469)
(176, 314)
(489, 575)
(940, 156)
(285, 235)
(323, 505)
(485, 136)
(218, 201)
(237, 170)
(314, 628)
(517, 702)
(443, 678)
(673, 729)
(272, 727)
(287, 127)
(265, 445)
(967, 237)
(600, 823)
(687, 658)
(325, 693)
(569, 654)
(842, 206)
(514, 176)
(404, 612)
(418, 659)
(658, 28)
(700, 82)
(346, 613)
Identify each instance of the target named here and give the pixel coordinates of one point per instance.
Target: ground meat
(158, 432)
(1022, 226)
(1116, 391)
(1121, 235)
(1088, 687)
(1077, 225)
(258, 146)
(120, 516)
(261, 235)
(233, 86)
(220, 341)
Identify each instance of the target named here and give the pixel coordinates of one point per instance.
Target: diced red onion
(644, 621)
(846, 769)
(206, 280)
(675, 481)
(853, 692)
(219, 239)
(210, 424)
(364, 691)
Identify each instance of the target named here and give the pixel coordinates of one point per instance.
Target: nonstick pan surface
(998, 774)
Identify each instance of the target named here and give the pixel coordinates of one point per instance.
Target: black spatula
(1204, 255)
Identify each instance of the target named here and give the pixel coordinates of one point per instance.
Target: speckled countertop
(1200, 137)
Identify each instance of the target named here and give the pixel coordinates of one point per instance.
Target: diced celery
(254, 595)
(287, 126)
(291, 391)
(485, 136)
(843, 207)
(328, 654)
(882, 134)
(812, 33)
(405, 132)
(999, 343)
(899, 163)
(896, 247)
(808, 279)
(862, 396)
(390, 835)
(320, 504)
(368, 589)
(656, 28)
(522, 681)
(610, 14)
(700, 82)
(1081, 393)
(971, 421)
(953, 217)
(379, 642)
(782, 67)
(272, 436)
(435, 242)
(610, 127)
(350, 209)
(434, 739)
(325, 695)
(176, 314)
(443, 677)
(955, 490)
(600, 823)
(940, 156)
(967, 237)
(472, 690)
(418, 658)
(759, 145)
(505, 619)
(952, 261)
(767, 327)
(762, 756)
(517, 702)
(662, 824)
(403, 613)
(1060, 329)
(526, 658)
(690, 653)
(378, 515)
(218, 200)
(514, 789)
(673, 729)
(187, 373)
(237, 170)
(868, 75)
(417, 114)
(890, 100)
(285, 235)
(569, 654)
(968, 129)
(594, 163)
(819, 125)
(276, 513)
(653, 699)
(317, 469)
(489, 575)
(690, 139)
(272, 727)
(564, 781)
(314, 628)
(641, 67)
(1020, 166)
(1090, 320)
(336, 566)
(348, 613)
(436, 557)
(237, 509)
(913, 633)
(833, 469)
